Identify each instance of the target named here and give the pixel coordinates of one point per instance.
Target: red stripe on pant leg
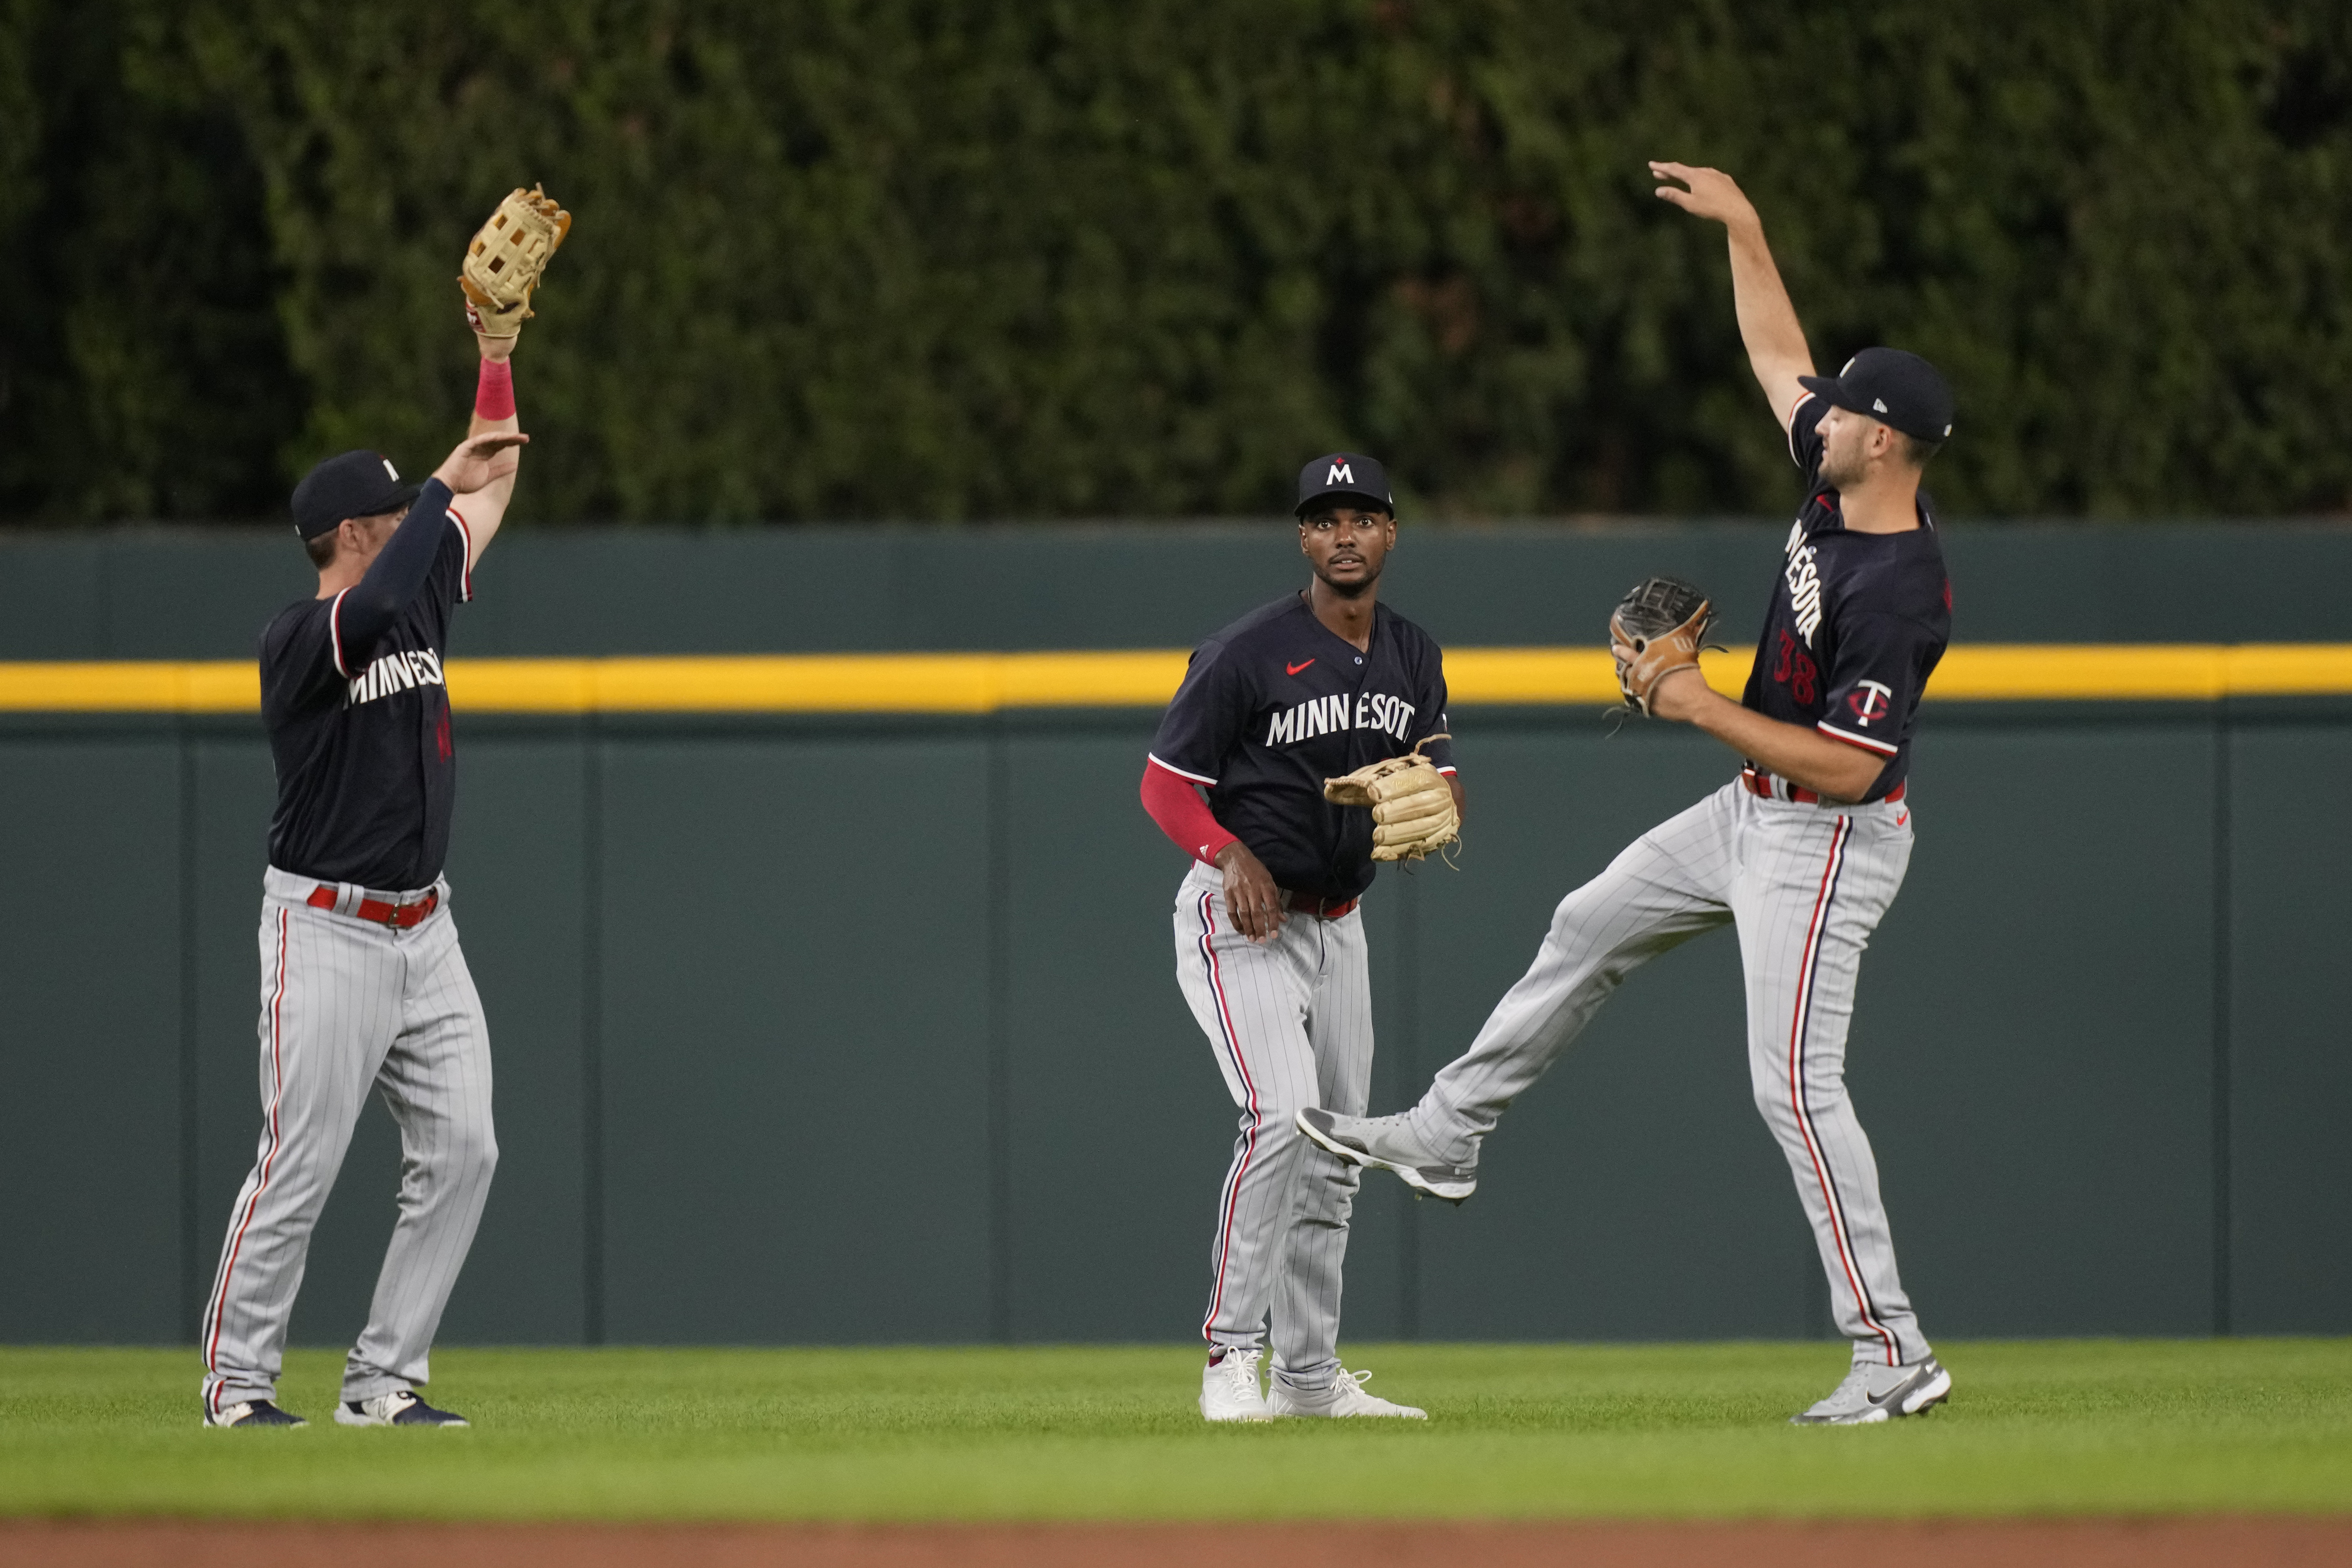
(1249, 1149)
(268, 1159)
(1798, 1025)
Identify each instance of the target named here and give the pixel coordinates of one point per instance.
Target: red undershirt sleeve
(1182, 814)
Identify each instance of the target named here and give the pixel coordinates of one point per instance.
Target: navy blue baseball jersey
(1278, 703)
(353, 696)
(1857, 621)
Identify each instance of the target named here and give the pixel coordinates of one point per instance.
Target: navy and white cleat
(1874, 1394)
(251, 1413)
(1389, 1143)
(401, 1407)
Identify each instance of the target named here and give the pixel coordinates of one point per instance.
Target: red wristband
(494, 393)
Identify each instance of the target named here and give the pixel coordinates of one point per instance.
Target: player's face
(1347, 546)
(1851, 442)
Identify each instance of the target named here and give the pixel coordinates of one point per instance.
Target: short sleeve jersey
(366, 769)
(1278, 703)
(1857, 621)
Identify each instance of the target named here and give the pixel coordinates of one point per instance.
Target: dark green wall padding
(867, 1029)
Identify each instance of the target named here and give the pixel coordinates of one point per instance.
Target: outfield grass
(2151, 1426)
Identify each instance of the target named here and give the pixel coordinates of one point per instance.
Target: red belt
(1761, 784)
(1319, 906)
(400, 916)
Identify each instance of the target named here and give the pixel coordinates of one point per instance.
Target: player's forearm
(1775, 339)
(1182, 814)
(1807, 757)
(494, 410)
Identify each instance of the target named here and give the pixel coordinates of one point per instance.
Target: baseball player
(362, 982)
(1269, 941)
(1803, 853)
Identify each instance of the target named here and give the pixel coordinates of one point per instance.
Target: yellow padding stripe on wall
(986, 682)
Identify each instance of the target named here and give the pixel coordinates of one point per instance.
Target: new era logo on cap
(1336, 476)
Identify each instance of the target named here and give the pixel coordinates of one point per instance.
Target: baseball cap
(1344, 474)
(1892, 387)
(349, 484)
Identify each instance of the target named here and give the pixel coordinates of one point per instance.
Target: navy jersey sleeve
(1205, 720)
(1876, 677)
(1805, 434)
(300, 662)
(451, 581)
(1429, 718)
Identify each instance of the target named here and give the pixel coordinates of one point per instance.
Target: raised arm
(494, 412)
(1777, 351)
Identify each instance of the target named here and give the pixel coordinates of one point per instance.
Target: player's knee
(470, 1152)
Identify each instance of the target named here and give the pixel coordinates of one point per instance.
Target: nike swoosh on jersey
(1295, 668)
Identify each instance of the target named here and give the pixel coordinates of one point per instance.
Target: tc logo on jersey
(1869, 701)
(394, 672)
(1326, 715)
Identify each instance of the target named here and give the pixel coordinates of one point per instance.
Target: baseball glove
(1413, 804)
(504, 262)
(1663, 621)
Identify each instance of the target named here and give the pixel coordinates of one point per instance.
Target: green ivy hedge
(983, 258)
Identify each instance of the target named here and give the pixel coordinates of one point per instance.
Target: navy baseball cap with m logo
(1340, 477)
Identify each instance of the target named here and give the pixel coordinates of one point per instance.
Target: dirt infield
(2268, 1542)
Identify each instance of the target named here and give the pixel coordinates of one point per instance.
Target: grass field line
(1109, 1433)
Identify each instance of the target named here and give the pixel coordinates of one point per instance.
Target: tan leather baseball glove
(504, 262)
(1411, 803)
(1664, 622)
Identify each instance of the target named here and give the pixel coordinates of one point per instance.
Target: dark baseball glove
(1661, 624)
(1411, 803)
(504, 258)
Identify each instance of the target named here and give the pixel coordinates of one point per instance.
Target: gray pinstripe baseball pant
(347, 1005)
(1805, 886)
(1290, 1021)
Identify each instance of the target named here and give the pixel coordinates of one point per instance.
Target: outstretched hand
(479, 459)
(1712, 194)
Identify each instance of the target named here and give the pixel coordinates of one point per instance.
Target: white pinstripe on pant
(1290, 1021)
(1805, 886)
(347, 1005)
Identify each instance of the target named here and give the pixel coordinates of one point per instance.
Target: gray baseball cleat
(1388, 1143)
(1880, 1393)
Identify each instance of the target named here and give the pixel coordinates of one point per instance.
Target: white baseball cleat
(1389, 1143)
(1346, 1396)
(1872, 1393)
(401, 1407)
(1229, 1390)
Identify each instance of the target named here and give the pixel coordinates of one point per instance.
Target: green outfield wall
(864, 1028)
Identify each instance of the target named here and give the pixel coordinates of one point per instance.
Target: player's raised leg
(1666, 886)
(436, 1080)
(329, 1007)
